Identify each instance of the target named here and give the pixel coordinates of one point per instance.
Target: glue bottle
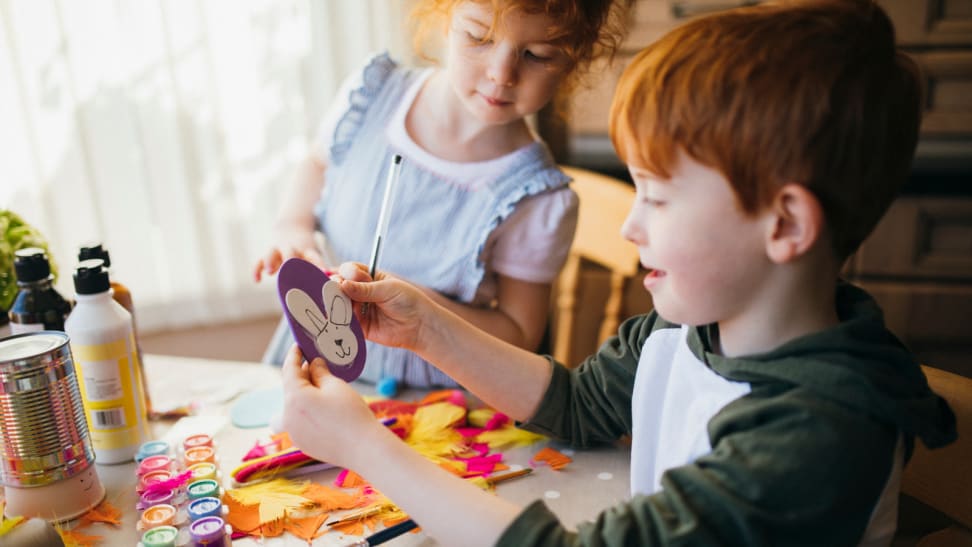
(123, 296)
(38, 305)
(107, 368)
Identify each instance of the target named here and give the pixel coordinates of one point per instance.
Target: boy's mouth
(652, 277)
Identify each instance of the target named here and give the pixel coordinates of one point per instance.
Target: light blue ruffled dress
(437, 230)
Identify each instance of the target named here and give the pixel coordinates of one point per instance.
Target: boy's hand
(324, 416)
(397, 310)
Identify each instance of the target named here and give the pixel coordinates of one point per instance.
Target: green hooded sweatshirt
(803, 444)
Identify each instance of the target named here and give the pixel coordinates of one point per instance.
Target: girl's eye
(535, 57)
(477, 39)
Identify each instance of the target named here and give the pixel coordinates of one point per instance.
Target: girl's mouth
(495, 102)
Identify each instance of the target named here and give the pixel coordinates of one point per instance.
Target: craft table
(595, 480)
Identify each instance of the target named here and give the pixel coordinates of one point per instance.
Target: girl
(483, 219)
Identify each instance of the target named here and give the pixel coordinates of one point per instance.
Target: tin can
(46, 454)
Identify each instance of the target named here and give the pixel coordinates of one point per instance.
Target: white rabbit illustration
(331, 329)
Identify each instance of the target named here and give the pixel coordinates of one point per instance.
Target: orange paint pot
(199, 454)
(157, 515)
(199, 439)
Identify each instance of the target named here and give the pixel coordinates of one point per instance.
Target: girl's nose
(501, 69)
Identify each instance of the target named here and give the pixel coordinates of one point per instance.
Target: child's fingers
(314, 258)
(354, 271)
(292, 371)
(358, 291)
(318, 371)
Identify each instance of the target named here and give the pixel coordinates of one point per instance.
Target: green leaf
(16, 234)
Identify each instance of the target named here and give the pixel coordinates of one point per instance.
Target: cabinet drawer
(948, 86)
(931, 22)
(653, 18)
(920, 238)
(925, 313)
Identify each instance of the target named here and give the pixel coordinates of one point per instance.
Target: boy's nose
(501, 69)
(632, 231)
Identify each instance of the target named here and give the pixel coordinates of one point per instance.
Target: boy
(766, 401)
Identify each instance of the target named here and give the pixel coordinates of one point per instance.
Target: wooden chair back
(604, 204)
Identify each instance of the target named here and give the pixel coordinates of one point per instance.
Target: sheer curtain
(166, 129)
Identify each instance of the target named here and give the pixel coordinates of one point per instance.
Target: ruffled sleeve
(373, 77)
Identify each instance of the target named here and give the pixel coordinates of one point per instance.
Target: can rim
(27, 352)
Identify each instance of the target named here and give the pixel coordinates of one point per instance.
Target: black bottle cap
(91, 277)
(94, 250)
(30, 264)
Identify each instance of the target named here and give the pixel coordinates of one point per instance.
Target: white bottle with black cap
(106, 363)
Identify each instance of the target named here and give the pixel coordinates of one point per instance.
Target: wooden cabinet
(937, 33)
(918, 262)
(918, 265)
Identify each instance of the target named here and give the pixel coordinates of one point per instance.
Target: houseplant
(15, 234)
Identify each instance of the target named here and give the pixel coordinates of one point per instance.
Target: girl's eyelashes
(536, 57)
(477, 39)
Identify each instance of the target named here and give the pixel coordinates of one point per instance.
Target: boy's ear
(796, 223)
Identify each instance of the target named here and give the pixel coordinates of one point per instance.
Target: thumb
(318, 371)
(355, 271)
(361, 291)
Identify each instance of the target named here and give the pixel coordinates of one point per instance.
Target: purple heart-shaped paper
(321, 318)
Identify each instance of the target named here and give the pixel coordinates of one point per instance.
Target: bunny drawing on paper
(330, 329)
(321, 318)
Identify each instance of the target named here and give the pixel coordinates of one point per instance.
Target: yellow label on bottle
(111, 393)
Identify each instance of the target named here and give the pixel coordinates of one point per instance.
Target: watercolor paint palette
(321, 318)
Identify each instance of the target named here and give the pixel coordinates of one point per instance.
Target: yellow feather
(432, 434)
(276, 498)
(8, 524)
(508, 436)
(480, 416)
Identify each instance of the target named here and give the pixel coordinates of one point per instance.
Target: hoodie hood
(858, 363)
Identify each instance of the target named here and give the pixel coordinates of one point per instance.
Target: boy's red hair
(813, 92)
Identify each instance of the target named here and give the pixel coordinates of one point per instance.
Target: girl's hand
(325, 417)
(397, 311)
(291, 243)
